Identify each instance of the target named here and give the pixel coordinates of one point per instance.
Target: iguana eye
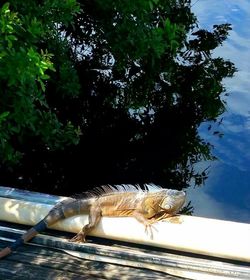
(166, 204)
(165, 207)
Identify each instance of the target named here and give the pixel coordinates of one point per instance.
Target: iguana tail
(61, 211)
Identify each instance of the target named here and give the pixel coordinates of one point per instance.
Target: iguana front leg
(94, 218)
(140, 217)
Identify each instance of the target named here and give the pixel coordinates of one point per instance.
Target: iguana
(146, 205)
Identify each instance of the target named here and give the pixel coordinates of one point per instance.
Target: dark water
(226, 194)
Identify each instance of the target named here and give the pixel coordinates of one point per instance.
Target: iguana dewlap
(146, 206)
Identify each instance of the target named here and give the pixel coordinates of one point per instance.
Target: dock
(107, 256)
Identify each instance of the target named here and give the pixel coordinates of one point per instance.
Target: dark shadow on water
(140, 124)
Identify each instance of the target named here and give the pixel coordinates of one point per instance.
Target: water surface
(226, 194)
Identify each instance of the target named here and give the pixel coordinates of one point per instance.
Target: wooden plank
(190, 266)
(37, 263)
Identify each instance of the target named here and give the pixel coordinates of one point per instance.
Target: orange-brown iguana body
(146, 206)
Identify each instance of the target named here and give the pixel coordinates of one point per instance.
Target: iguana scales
(146, 205)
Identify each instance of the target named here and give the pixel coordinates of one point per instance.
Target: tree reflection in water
(146, 84)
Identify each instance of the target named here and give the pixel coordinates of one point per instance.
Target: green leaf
(5, 9)
(4, 115)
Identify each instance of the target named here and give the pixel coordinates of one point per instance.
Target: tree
(25, 68)
(137, 78)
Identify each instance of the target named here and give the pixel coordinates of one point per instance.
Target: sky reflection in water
(226, 194)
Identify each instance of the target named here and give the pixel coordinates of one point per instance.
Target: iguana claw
(79, 237)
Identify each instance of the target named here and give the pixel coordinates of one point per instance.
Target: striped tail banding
(57, 213)
(24, 238)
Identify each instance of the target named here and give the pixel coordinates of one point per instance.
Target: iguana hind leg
(94, 218)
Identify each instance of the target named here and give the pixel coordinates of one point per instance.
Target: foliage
(137, 77)
(25, 68)
(187, 210)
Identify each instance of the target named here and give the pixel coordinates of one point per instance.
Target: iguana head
(173, 201)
